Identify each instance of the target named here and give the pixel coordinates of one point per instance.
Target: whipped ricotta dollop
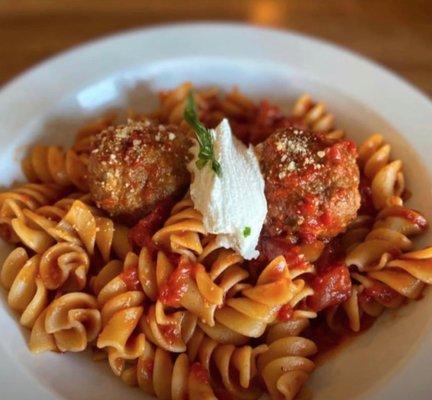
(233, 204)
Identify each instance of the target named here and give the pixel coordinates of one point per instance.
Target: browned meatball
(134, 166)
(311, 184)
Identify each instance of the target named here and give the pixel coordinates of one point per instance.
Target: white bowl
(48, 103)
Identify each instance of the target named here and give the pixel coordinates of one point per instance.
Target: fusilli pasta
(236, 366)
(258, 305)
(157, 374)
(69, 323)
(389, 236)
(386, 176)
(285, 366)
(121, 304)
(51, 164)
(27, 293)
(73, 222)
(315, 116)
(29, 196)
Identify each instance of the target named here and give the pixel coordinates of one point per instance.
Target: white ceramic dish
(48, 103)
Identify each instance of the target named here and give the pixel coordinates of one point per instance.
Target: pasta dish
(211, 249)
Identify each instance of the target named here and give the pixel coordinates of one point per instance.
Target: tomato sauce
(383, 294)
(142, 233)
(175, 287)
(270, 248)
(261, 122)
(335, 153)
(285, 313)
(331, 288)
(410, 215)
(171, 332)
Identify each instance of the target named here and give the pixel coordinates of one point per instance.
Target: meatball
(311, 184)
(133, 167)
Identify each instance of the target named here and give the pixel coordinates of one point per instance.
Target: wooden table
(396, 33)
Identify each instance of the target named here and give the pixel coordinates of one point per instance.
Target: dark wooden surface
(396, 33)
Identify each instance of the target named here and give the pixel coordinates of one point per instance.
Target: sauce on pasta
(285, 313)
(130, 278)
(199, 321)
(176, 285)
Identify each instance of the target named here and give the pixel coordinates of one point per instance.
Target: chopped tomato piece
(285, 313)
(142, 232)
(330, 288)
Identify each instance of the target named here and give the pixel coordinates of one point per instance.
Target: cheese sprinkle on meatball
(311, 184)
(133, 167)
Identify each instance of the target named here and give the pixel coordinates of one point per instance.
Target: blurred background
(395, 33)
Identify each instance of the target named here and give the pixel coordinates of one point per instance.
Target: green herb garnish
(203, 135)
(247, 231)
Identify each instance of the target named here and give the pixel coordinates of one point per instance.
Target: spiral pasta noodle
(26, 292)
(390, 235)
(389, 286)
(169, 331)
(236, 366)
(30, 196)
(386, 176)
(315, 116)
(121, 303)
(181, 231)
(250, 313)
(173, 103)
(285, 366)
(78, 224)
(65, 266)
(69, 323)
(166, 331)
(200, 292)
(51, 164)
(156, 373)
